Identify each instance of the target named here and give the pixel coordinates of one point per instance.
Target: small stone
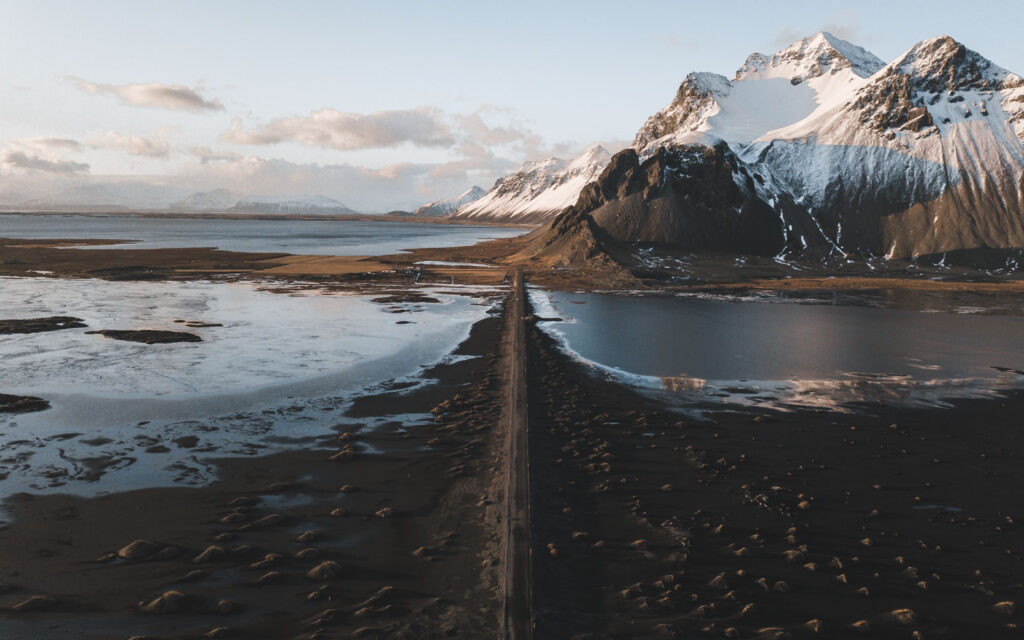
(167, 602)
(326, 570)
(1006, 607)
(904, 616)
(270, 577)
(267, 561)
(36, 603)
(794, 555)
(212, 553)
(138, 550)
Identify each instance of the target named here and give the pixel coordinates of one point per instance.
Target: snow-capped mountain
(768, 92)
(216, 200)
(439, 208)
(538, 191)
(822, 149)
(300, 204)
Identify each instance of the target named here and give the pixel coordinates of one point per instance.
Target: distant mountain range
(447, 207)
(146, 197)
(821, 149)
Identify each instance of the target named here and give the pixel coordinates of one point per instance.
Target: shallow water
(279, 373)
(318, 237)
(769, 354)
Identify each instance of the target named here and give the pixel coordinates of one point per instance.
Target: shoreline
(484, 263)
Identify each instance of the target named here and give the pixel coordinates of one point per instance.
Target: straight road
(518, 597)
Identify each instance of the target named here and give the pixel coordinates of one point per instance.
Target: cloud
(424, 126)
(401, 185)
(26, 162)
(44, 145)
(155, 95)
(133, 144)
(207, 155)
(333, 129)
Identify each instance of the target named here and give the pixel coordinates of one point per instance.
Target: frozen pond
(760, 353)
(318, 237)
(124, 414)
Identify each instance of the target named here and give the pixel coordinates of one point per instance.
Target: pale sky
(386, 104)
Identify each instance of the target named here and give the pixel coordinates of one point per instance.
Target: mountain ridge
(920, 156)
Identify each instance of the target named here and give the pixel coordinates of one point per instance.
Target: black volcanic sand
(407, 534)
(21, 404)
(648, 524)
(39, 325)
(148, 336)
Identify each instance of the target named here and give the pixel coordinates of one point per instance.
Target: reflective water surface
(318, 237)
(278, 371)
(803, 354)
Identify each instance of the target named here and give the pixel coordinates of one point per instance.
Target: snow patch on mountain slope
(538, 190)
(768, 92)
(446, 207)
